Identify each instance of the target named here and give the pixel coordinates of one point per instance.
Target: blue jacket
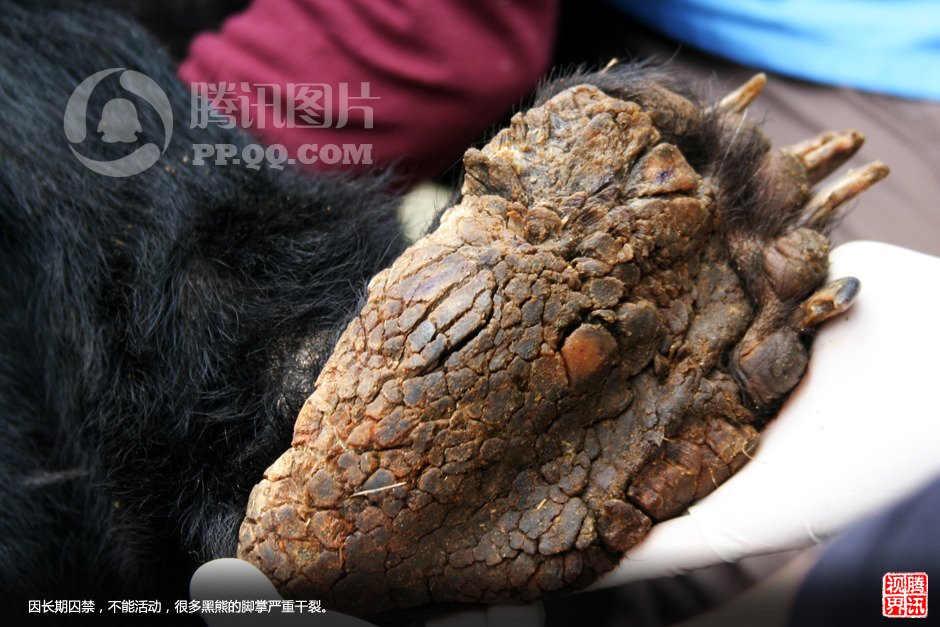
(886, 46)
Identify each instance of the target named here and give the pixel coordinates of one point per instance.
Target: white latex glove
(861, 431)
(234, 579)
(231, 579)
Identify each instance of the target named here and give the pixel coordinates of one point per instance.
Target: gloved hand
(860, 432)
(231, 579)
(234, 579)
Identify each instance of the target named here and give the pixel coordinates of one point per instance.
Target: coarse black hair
(158, 332)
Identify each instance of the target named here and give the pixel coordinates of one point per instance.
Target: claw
(830, 300)
(614, 61)
(821, 207)
(738, 100)
(823, 154)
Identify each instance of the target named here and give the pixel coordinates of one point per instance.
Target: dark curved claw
(830, 300)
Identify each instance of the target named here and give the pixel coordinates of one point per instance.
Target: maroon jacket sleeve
(443, 71)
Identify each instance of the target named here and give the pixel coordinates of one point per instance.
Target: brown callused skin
(580, 350)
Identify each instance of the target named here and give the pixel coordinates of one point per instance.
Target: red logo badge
(904, 595)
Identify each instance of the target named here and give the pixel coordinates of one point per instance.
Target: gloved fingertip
(230, 578)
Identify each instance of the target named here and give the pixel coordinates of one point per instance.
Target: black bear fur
(159, 332)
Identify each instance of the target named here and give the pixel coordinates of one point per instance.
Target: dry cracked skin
(589, 341)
